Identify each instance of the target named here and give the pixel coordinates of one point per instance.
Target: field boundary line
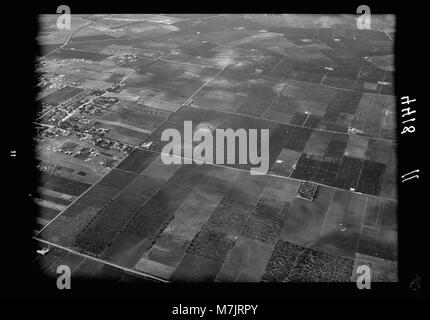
(280, 61)
(288, 124)
(358, 76)
(278, 176)
(142, 274)
(327, 213)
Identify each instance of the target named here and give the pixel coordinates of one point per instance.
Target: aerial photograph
(216, 148)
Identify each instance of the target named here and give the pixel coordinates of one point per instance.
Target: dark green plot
(271, 218)
(285, 104)
(297, 138)
(143, 187)
(317, 266)
(87, 201)
(234, 218)
(335, 148)
(196, 269)
(127, 249)
(370, 178)
(253, 107)
(282, 262)
(372, 217)
(150, 218)
(262, 91)
(168, 249)
(102, 192)
(103, 229)
(379, 150)
(63, 185)
(137, 161)
(211, 244)
(247, 188)
(117, 178)
(349, 173)
(61, 95)
(343, 101)
(389, 215)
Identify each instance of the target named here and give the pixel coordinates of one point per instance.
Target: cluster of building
(116, 87)
(85, 130)
(53, 116)
(70, 119)
(122, 59)
(76, 100)
(97, 106)
(53, 81)
(113, 145)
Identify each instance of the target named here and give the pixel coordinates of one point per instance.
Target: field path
(124, 125)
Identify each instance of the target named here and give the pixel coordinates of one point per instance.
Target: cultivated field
(323, 89)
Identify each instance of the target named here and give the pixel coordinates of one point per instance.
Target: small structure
(146, 145)
(43, 251)
(307, 190)
(352, 130)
